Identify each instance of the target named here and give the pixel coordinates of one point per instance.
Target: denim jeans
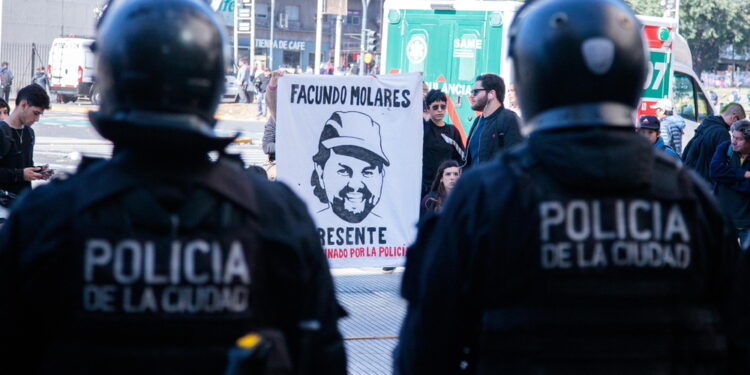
(744, 235)
(261, 103)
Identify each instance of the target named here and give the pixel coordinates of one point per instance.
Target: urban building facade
(294, 23)
(28, 27)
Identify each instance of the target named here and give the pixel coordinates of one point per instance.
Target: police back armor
(562, 273)
(132, 271)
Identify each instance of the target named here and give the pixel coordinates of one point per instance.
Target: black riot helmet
(160, 71)
(578, 62)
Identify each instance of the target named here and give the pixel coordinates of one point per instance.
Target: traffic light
(667, 4)
(372, 40)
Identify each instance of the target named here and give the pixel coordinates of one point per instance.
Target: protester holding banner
(441, 141)
(269, 132)
(446, 177)
(272, 87)
(425, 90)
(344, 145)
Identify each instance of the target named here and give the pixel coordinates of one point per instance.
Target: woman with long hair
(447, 174)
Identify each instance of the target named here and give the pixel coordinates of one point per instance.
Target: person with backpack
(40, 78)
(6, 80)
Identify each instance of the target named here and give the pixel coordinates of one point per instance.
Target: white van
(71, 70)
(688, 94)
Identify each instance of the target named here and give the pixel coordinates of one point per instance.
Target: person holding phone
(17, 140)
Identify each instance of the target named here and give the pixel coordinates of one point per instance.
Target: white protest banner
(351, 148)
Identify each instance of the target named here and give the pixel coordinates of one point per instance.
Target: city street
(64, 133)
(370, 297)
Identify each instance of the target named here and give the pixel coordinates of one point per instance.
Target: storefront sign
(291, 45)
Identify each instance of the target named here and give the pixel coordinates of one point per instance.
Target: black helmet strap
(587, 114)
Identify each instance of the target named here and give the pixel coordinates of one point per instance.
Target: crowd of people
(498, 128)
(252, 83)
(495, 129)
(716, 153)
(579, 249)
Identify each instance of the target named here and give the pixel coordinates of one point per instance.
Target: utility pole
(362, 51)
(244, 20)
(270, 46)
(1, 23)
(318, 37)
(252, 36)
(62, 18)
(236, 32)
(337, 47)
(33, 59)
(672, 9)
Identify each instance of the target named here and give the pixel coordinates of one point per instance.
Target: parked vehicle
(231, 89)
(672, 75)
(71, 70)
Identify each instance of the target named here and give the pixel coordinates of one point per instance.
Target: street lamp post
(362, 38)
(236, 37)
(252, 36)
(318, 37)
(62, 18)
(337, 44)
(270, 46)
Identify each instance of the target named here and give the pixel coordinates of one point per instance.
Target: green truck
(452, 42)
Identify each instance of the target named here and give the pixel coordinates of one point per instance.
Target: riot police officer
(584, 251)
(159, 259)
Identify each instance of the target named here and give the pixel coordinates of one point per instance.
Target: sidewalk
(376, 311)
(239, 112)
(225, 112)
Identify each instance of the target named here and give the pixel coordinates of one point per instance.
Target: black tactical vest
(598, 281)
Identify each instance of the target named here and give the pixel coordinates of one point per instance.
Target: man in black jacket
(584, 251)
(17, 140)
(158, 260)
(497, 128)
(709, 134)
